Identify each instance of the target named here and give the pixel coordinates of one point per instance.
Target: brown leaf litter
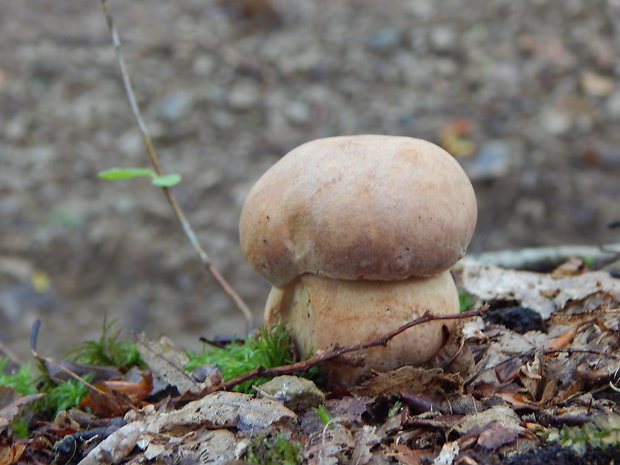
(489, 397)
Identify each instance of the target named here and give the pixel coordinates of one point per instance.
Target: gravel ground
(525, 94)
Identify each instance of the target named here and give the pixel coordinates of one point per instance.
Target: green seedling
(395, 408)
(267, 450)
(64, 218)
(466, 301)
(164, 180)
(323, 414)
(271, 348)
(109, 350)
(589, 261)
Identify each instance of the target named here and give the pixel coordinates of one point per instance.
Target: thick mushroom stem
(322, 312)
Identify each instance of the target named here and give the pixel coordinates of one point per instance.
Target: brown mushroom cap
(366, 207)
(323, 312)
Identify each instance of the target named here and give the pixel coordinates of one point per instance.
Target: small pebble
(174, 106)
(385, 39)
(296, 393)
(298, 113)
(492, 162)
(556, 122)
(243, 96)
(443, 39)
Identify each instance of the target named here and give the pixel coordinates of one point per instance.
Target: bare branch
(178, 211)
(549, 257)
(338, 351)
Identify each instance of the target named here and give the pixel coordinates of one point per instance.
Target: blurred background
(524, 94)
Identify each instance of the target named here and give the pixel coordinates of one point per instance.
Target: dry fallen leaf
(407, 456)
(497, 435)
(564, 339)
(116, 446)
(572, 267)
(12, 404)
(429, 380)
(454, 138)
(327, 447)
(365, 439)
(12, 453)
(502, 415)
(226, 409)
(541, 292)
(447, 454)
(159, 430)
(168, 362)
(204, 446)
(121, 396)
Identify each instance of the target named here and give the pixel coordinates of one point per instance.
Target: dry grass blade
(178, 211)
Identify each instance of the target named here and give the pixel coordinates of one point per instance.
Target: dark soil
(556, 455)
(227, 87)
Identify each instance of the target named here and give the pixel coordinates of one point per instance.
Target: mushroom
(357, 234)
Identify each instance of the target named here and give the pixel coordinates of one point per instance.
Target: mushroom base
(323, 312)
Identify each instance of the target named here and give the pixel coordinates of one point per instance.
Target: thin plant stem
(178, 211)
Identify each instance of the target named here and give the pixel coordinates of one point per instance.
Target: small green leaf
(166, 180)
(125, 173)
(323, 414)
(466, 301)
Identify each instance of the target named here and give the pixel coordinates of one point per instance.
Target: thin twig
(338, 351)
(187, 229)
(8, 352)
(579, 351)
(537, 258)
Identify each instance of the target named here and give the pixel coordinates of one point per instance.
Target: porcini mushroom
(356, 234)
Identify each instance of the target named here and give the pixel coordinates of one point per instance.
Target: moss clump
(109, 350)
(271, 348)
(59, 395)
(269, 450)
(603, 432)
(22, 380)
(64, 395)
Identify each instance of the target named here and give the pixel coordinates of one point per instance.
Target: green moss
(20, 427)
(271, 348)
(63, 396)
(21, 380)
(109, 350)
(59, 396)
(603, 432)
(268, 450)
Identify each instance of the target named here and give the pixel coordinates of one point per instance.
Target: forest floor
(524, 94)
